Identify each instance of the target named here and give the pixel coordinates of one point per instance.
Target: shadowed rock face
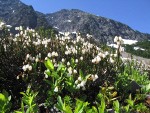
(16, 13)
(101, 28)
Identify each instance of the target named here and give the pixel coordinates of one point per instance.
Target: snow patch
(74, 32)
(129, 42)
(69, 20)
(56, 27)
(113, 45)
(138, 48)
(125, 41)
(61, 33)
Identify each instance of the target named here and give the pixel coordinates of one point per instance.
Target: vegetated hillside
(140, 49)
(16, 13)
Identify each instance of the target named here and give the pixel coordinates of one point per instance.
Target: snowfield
(125, 41)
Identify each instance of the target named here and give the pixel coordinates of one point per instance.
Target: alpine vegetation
(43, 71)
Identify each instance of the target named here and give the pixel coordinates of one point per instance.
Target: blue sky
(135, 13)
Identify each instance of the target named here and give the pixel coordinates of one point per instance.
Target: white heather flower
(16, 28)
(78, 38)
(78, 86)
(22, 75)
(46, 58)
(111, 60)
(30, 67)
(93, 60)
(116, 39)
(56, 89)
(63, 60)
(21, 33)
(20, 28)
(53, 53)
(79, 78)
(33, 58)
(98, 59)
(67, 47)
(100, 54)
(83, 83)
(70, 70)
(68, 63)
(115, 55)
(66, 53)
(75, 71)
(95, 77)
(27, 66)
(24, 68)
(27, 56)
(45, 46)
(103, 56)
(81, 58)
(53, 60)
(17, 77)
(121, 49)
(76, 82)
(83, 51)
(15, 39)
(55, 65)
(39, 55)
(120, 38)
(37, 59)
(56, 54)
(76, 60)
(49, 55)
(46, 76)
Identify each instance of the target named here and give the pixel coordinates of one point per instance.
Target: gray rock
(16, 13)
(101, 28)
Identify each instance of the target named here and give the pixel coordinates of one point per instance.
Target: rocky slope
(16, 13)
(101, 28)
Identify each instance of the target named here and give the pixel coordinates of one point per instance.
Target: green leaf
(49, 65)
(80, 73)
(126, 108)
(18, 112)
(60, 104)
(2, 97)
(48, 72)
(94, 109)
(147, 87)
(130, 102)
(55, 75)
(61, 67)
(102, 106)
(80, 105)
(68, 109)
(116, 106)
(22, 107)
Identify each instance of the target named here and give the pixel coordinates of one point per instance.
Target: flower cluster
(80, 83)
(27, 67)
(119, 41)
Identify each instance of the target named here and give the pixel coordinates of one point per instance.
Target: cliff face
(16, 13)
(101, 28)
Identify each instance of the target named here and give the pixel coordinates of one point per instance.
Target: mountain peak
(16, 13)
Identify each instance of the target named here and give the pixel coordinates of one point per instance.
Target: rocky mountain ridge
(16, 13)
